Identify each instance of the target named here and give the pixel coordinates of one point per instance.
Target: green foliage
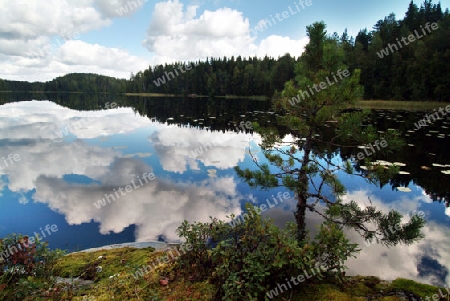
(421, 290)
(196, 234)
(417, 71)
(331, 248)
(25, 267)
(373, 224)
(248, 258)
(320, 121)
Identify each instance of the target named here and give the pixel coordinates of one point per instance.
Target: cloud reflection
(157, 208)
(401, 261)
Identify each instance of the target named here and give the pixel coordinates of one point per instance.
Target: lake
(107, 170)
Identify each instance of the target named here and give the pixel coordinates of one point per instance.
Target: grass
(151, 95)
(116, 282)
(400, 105)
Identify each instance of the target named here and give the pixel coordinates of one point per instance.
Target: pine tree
(307, 165)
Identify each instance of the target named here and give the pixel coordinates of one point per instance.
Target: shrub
(21, 262)
(245, 260)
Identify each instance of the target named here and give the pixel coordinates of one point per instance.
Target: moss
(122, 264)
(419, 289)
(112, 262)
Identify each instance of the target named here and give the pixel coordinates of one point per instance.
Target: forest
(389, 70)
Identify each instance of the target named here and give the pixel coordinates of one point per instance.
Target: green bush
(248, 259)
(22, 263)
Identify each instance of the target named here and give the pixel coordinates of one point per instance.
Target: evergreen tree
(306, 166)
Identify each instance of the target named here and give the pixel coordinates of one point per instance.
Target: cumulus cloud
(178, 34)
(378, 260)
(119, 8)
(401, 260)
(38, 128)
(42, 40)
(47, 61)
(277, 45)
(156, 208)
(177, 148)
(30, 19)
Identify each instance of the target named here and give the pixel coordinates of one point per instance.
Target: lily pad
(403, 189)
(382, 163)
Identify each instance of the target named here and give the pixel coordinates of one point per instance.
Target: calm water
(160, 161)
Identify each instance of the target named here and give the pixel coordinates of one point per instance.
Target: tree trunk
(302, 193)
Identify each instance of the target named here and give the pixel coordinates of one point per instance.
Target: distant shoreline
(407, 105)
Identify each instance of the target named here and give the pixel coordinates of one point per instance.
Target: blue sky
(42, 40)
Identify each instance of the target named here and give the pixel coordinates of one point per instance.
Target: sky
(40, 40)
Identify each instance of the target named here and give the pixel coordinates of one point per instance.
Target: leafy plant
(21, 265)
(247, 259)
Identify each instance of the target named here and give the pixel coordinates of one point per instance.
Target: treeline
(73, 82)
(390, 68)
(226, 76)
(418, 70)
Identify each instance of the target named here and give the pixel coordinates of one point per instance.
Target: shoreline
(157, 245)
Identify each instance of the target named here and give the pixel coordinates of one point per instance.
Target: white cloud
(38, 125)
(42, 40)
(70, 57)
(119, 8)
(29, 19)
(176, 148)
(276, 45)
(156, 208)
(176, 34)
(401, 260)
(39, 40)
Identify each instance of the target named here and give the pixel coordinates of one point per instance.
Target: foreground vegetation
(240, 262)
